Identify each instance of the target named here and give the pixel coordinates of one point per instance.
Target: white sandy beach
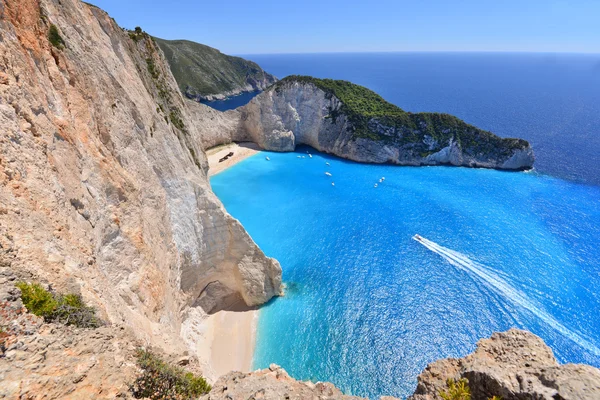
(230, 335)
(240, 151)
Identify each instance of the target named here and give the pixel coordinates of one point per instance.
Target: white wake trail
(493, 281)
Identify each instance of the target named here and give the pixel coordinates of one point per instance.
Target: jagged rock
(272, 383)
(515, 365)
(52, 361)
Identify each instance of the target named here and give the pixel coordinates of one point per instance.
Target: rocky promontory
(353, 122)
(204, 73)
(511, 365)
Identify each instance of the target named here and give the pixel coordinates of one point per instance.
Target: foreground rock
(514, 365)
(353, 122)
(272, 383)
(53, 361)
(103, 179)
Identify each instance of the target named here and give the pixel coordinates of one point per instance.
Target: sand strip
(240, 151)
(234, 337)
(230, 336)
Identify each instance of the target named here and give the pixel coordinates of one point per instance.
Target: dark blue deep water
(366, 306)
(231, 103)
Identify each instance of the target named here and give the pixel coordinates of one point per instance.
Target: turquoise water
(367, 307)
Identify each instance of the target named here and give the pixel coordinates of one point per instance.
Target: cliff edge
(103, 179)
(353, 122)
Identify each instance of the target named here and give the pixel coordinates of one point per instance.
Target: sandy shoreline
(229, 336)
(241, 151)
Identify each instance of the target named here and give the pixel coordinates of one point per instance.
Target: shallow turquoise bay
(367, 307)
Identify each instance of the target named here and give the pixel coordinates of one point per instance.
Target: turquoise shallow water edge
(367, 307)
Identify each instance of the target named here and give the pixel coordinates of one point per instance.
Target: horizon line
(423, 51)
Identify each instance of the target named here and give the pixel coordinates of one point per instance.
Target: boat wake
(493, 281)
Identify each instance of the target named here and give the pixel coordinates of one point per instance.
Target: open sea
(367, 307)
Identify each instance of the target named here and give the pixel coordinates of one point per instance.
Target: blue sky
(251, 27)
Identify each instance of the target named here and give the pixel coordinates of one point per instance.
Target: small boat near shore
(328, 173)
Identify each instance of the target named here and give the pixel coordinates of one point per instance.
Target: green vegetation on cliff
(374, 118)
(68, 309)
(54, 37)
(202, 71)
(160, 380)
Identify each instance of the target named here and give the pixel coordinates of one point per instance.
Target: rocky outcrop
(514, 365)
(103, 178)
(204, 73)
(272, 383)
(53, 361)
(216, 127)
(365, 128)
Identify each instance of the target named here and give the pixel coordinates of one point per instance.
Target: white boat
(299, 156)
(310, 155)
(332, 183)
(417, 237)
(381, 180)
(327, 163)
(267, 158)
(328, 173)
(375, 185)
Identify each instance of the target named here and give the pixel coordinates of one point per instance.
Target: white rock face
(103, 178)
(300, 113)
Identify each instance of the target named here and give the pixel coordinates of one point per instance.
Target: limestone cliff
(353, 122)
(103, 179)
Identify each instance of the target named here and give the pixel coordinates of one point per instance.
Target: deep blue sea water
(366, 306)
(231, 102)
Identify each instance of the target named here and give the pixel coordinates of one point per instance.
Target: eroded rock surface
(515, 365)
(103, 178)
(272, 383)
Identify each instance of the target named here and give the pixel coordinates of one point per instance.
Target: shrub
(67, 309)
(152, 68)
(456, 390)
(460, 391)
(38, 300)
(176, 120)
(71, 310)
(54, 37)
(159, 380)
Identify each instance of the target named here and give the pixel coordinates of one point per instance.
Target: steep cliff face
(204, 73)
(103, 179)
(352, 122)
